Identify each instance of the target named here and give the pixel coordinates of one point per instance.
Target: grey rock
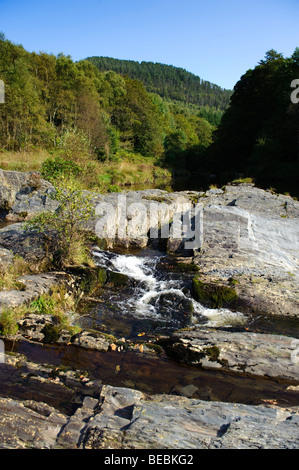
(247, 353)
(32, 325)
(97, 340)
(131, 420)
(22, 427)
(214, 191)
(30, 245)
(252, 236)
(27, 193)
(6, 258)
(108, 417)
(34, 285)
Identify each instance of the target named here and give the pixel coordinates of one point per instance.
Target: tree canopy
(259, 133)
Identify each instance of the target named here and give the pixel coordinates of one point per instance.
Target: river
(159, 301)
(151, 302)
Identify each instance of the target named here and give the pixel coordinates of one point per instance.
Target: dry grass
(126, 170)
(58, 303)
(23, 161)
(9, 276)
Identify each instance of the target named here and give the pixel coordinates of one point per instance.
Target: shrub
(67, 225)
(54, 168)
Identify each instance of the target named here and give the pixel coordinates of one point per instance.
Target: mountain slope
(170, 82)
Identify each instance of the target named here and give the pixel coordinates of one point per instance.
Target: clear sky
(217, 40)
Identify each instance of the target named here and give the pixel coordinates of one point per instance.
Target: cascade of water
(157, 296)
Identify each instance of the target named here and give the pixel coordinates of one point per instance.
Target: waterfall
(159, 296)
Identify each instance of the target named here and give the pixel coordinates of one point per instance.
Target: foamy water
(145, 300)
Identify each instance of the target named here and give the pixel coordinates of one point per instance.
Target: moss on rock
(118, 279)
(213, 295)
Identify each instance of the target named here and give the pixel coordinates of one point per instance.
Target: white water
(144, 303)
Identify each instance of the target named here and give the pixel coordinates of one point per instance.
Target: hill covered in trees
(171, 83)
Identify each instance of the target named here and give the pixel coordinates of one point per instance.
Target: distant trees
(22, 114)
(171, 83)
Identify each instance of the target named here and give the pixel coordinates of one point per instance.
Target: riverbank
(178, 335)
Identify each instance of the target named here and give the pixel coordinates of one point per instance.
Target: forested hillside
(48, 95)
(171, 83)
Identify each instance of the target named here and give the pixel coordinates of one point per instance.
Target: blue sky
(214, 39)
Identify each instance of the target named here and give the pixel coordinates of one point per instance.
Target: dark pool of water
(3, 221)
(158, 375)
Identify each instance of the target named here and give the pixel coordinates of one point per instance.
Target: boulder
(24, 193)
(251, 240)
(30, 245)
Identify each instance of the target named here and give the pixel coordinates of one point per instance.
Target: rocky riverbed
(247, 261)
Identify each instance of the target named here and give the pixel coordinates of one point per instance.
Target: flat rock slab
(241, 352)
(128, 419)
(28, 424)
(252, 236)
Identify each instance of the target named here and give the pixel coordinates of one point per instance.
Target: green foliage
(8, 322)
(213, 116)
(258, 134)
(58, 303)
(67, 224)
(213, 353)
(54, 168)
(43, 305)
(10, 275)
(85, 116)
(243, 181)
